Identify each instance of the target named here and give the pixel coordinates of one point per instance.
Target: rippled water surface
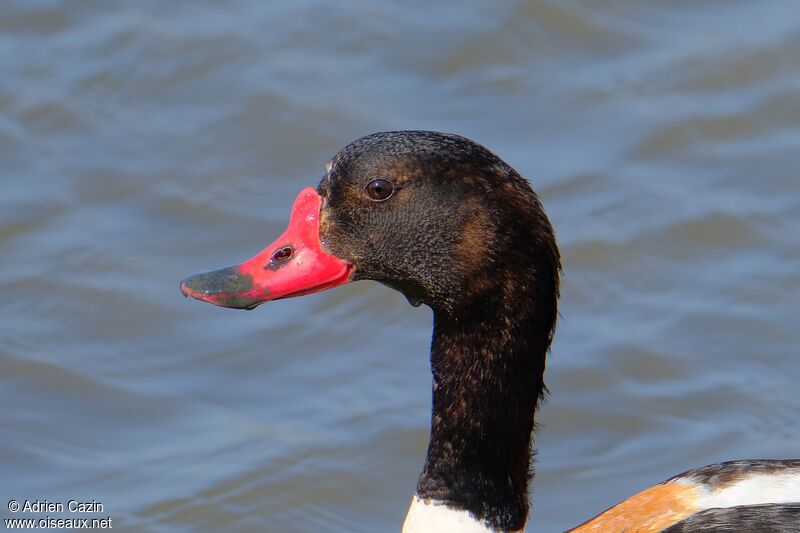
(143, 141)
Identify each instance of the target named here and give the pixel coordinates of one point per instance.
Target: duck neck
(488, 368)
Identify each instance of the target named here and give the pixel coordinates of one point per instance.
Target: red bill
(295, 264)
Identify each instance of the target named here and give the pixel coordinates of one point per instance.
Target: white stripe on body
(430, 516)
(756, 489)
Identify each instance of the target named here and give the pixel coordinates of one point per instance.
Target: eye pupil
(282, 254)
(379, 189)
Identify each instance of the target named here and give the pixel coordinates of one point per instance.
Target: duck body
(755, 495)
(452, 226)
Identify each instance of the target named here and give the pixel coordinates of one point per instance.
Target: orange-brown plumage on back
(649, 511)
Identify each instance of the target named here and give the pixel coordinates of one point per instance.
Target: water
(140, 142)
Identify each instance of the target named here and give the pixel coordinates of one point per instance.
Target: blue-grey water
(143, 141)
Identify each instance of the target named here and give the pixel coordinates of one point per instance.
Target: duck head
(435, 216)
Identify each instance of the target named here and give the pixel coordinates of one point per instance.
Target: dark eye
(379, 190)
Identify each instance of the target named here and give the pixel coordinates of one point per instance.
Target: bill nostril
(281, 255)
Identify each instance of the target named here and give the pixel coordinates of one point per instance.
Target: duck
(449, 224)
